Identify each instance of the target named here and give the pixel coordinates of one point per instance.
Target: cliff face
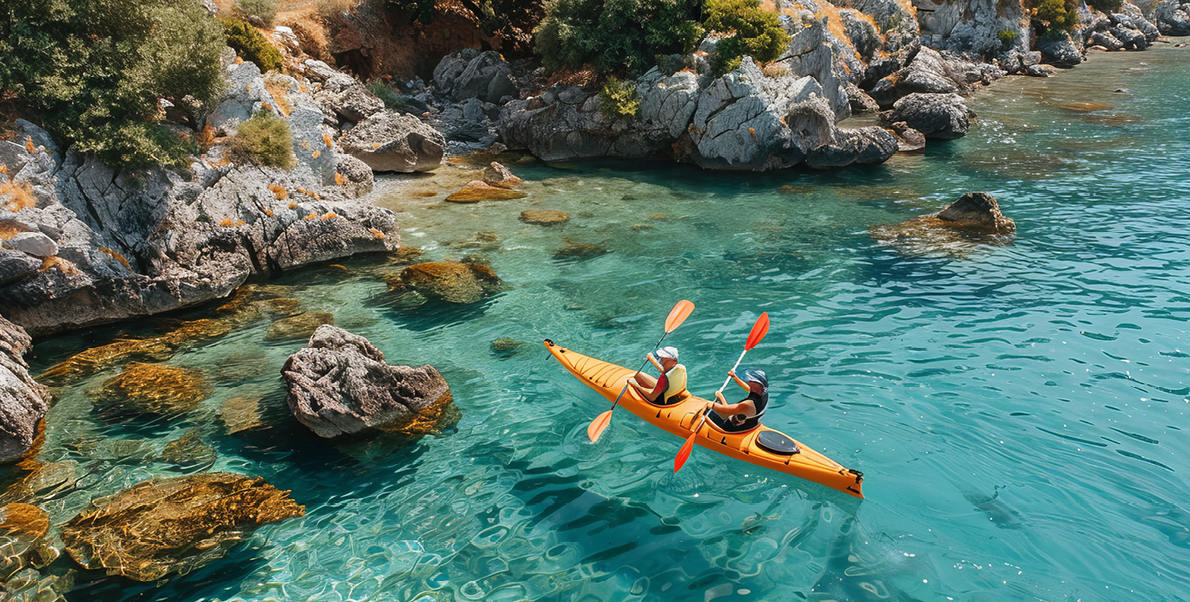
(976, 25)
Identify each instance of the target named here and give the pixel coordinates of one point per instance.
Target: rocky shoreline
(83, 244)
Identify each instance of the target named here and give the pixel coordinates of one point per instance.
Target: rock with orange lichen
(973, 219)
(340, 384)
(152, 389)
(476, 191)
(173, 525)
(451, 281)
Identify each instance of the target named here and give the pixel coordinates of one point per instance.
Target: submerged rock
(152, 389)
(476, 191)
(174, 525)
(298, 327)
(23, 402)
(451, 281)
(340, 384)
(544, 217)
(23, 530)
(973, 219)
(150, 349)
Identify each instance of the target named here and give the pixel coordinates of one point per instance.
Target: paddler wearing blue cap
(744, 415)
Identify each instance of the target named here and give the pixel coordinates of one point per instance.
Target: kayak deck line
(681, 418)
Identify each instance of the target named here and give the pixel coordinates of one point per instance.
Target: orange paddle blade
(684, 453)
(759, 329)
(679, 313)
(597, 426)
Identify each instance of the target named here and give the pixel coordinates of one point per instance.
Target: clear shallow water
(1018, 410)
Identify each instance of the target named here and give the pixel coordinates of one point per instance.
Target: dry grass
(15, 197)
(279, 89)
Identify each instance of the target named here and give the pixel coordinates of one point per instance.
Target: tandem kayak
(762, 445)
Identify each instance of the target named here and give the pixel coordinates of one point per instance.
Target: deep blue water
(1018, 409)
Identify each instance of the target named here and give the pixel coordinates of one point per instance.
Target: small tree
(757, 32)
(616, 36)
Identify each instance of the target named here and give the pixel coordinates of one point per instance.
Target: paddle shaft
(642, 367)
(704, 413)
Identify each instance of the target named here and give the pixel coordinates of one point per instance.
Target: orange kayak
(762, 446)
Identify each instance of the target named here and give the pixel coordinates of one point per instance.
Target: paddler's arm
(657, 364)
(725, 409)
(743, 385)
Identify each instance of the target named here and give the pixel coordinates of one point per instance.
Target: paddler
(668, 387)
(744, 415)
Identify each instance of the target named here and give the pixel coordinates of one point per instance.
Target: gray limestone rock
(470, 73)
(390, 141)
(357, 177)
(937, 116)
(1172, 18)
(23, 402)
(1060, 52)
(340, 384)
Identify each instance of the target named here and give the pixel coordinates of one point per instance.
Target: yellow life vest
(677, 384)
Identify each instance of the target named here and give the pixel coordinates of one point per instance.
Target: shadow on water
(411, 311)
(219, 580)
(852, 573)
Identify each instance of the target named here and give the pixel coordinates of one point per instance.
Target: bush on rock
(263, 140)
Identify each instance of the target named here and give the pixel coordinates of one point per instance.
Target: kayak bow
(762, 446)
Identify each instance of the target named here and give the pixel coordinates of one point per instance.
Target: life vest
(677, 384)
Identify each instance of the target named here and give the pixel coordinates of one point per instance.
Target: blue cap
(753, 375)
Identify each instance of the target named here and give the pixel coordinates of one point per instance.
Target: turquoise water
(1017, 409)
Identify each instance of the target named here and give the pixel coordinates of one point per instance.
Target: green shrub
(757, 32)
(618, 99)
(265, 9)
(615, 36)
(391, 99)
(252, 45)
(1007, 38)
(93, 72)
(263, 140)
(1052, 18)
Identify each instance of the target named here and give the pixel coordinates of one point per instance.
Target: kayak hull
(680, 419)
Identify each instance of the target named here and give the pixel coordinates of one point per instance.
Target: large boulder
(1061, 52)
(470, 73)
(859, 146)
(931, 72)
(173, 525)
(389, 141)
(937, 116)
(976, 26)
(23, 402)
(1172, 18)
(340, 384)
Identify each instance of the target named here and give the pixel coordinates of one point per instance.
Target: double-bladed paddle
(677, 315)
(759, 329)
